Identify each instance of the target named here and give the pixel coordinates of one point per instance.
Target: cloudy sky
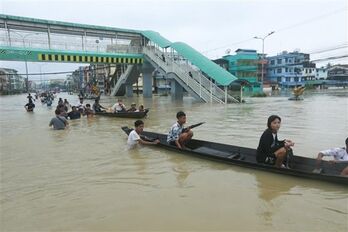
(312, 26)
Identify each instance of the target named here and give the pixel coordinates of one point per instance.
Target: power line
(319, 17)
(330, 58)
(328, 49)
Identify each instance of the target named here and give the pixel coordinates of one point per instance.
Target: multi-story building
(245, 65)
(338, 72)
(321, 73)
(11, 82)
(290, 69)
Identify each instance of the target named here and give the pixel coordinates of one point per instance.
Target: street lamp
(263, 52)
(26, 63)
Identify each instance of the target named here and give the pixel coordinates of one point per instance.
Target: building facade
(290, 69)
(245, 65)
(321, 73)
(11, 82)
(338, 72)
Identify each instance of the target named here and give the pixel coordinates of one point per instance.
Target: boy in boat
(339, 154)
(134, 136)
(177, 136)
(270, 150)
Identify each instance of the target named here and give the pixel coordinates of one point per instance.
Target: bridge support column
(129, 90)
(147, 79)
(176, 90)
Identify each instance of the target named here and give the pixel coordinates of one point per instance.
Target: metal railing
(197, 82)
(122, 79)
(56, 42)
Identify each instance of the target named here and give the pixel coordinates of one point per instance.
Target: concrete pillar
(129, 90)
(176, 90)
(147, 70)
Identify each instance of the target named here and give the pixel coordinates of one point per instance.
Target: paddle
(192, 126)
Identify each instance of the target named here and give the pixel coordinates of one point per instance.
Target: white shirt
(117, 107)
(133, 139)
(338, 153)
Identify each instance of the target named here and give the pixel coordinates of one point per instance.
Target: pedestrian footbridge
(133, 53)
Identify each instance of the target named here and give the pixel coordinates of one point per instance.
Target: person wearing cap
(133, 108)
(339, 154)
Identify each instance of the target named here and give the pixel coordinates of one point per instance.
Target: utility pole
(26, 63)
(263, 54)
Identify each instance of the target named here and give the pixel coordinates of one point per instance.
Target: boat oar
(192, 126)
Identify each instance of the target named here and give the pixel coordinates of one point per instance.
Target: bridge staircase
(128, 77)
(197, 84)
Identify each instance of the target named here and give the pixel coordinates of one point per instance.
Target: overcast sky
(211, 27)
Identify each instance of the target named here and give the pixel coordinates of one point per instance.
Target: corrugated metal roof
(220, 75)
(157, 38)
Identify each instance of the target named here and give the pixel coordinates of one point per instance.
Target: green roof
(60, 23)
(220, 75)
(157, 38)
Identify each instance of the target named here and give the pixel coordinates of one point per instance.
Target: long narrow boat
(125, 114)
(243, 156)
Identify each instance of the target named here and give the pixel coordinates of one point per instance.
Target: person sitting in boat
(74, 113)
(133, 108)
(119, 107)
(134, 136)
(339, 154)
(59, 122)
(29, 106)
(270, 150)
(141, 109)
(97, 107)
(177, 136)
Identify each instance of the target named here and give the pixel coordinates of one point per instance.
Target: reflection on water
(84, 178)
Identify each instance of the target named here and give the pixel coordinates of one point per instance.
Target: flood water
(84, 178)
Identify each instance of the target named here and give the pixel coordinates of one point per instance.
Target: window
(279, 70)
(279, 61)
(272, 62)
(286, 69)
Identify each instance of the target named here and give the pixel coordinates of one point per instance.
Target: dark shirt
(267, 145)
(30, 105)
(74, 115)
(97, 107)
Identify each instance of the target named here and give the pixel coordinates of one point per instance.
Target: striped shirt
(174, 132)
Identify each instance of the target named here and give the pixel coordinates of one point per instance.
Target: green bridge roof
(220, 75)
(157, 38)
